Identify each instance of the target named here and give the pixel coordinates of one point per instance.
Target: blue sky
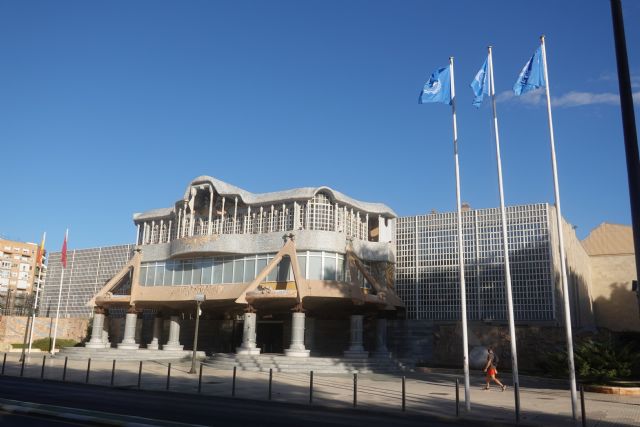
(111, 108)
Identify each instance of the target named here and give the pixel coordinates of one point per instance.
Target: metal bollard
(22, 367)
(584, 412)
(200, 380)
(457, 397)
(113, 372)
(139, 375)
(355, 390)
(64, 370)
(44, 360)
(88, 370)
(310, 387)
(270, 381)
(233, 384)
(168, 375)
(516, 389)
(404, 394)
(4, 362)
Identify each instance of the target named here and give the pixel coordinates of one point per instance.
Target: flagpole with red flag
(63, 260)
(35, 302)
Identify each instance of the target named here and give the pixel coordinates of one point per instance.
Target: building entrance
(270, 336)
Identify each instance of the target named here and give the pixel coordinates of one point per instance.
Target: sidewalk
(542, 402)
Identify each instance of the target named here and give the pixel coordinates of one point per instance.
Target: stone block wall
(12, 328)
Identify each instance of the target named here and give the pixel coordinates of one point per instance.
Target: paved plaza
(543, 402)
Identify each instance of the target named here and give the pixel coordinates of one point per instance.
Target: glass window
(273, 274)
(302, 263)
(197, 272)
(207, 270)
(283, 269)
(315, 267)
(177, 273)
(261, 264)
(340, 268)
(250, 270)
(217, 271)
(187, 272)
(170, 267)
(151, 272)
(238, 270)
(143, 275)
(227, 276)
(159, 274)
(329, 267)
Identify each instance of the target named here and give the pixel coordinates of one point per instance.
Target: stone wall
(615, 304)
(532, 344)
(12, 328)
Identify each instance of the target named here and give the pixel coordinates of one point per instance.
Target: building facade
(263, 264)
(427, 271)
(88, 270)
(18, 276)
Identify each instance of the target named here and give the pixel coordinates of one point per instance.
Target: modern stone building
(271, 266)
(427, 277)
(18, 276)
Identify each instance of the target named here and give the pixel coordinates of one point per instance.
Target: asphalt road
(202, 410)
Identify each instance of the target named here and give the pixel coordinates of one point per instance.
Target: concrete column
(209, 224)
(248, 335)
(173, 343)
(138, 234)
(310, 333)
(105, 332)
(296, 216)
(296, 348)
(129, 340)
(157, 330)
(235, 215)
(356, 349)
(381, 339)
(96, 331)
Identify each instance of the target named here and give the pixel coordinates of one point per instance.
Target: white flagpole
(463, 291)
(35, 302)
(505, 241)
(55, 328)
(563, 267)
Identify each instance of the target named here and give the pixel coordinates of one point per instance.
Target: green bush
(599, 359)
(44, 344)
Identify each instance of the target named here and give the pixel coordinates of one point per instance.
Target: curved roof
(305, 193)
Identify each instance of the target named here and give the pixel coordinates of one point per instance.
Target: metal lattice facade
(427, 269)
(87, 272)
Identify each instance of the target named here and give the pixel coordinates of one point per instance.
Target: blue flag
(438, 88)
(480, 84)
(532, 75)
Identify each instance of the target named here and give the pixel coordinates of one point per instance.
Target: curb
(81, 415)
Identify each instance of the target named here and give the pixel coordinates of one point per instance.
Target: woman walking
(491, 370)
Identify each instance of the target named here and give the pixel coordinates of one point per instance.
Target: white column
(248, 335)
(144, 232)
(157, 330)
(271, 220)
(222, 217)
(192, 219)
(356, 349)
(366, 228)
(173, 343)
(296, 349)
(381, 339)
(247, 219)
(210, 224)
(96, 331)
(138, 234)
(235, 215)
(169, 231)
(179, 224)
(283, 226)
(335, 218)
(296, 216)
(129, 340)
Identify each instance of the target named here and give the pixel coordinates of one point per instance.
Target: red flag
(64, 251)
